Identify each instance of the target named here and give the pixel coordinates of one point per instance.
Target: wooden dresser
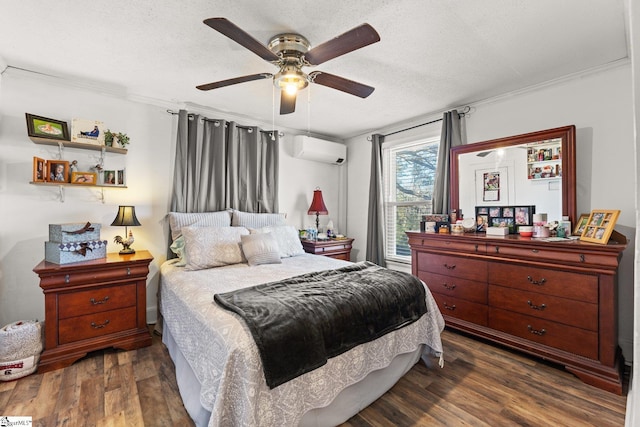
(334, 248)
(555, 300)
(93, 305)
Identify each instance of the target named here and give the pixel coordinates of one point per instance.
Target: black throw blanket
(300, 322)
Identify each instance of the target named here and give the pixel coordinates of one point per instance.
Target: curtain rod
(464, 111)
(217, 123)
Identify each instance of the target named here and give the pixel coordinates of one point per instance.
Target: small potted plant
(112, 139)
(123, 139)
(108, 138)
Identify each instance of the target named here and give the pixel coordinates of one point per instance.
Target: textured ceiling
(433, 55)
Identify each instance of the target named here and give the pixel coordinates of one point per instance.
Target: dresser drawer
(569, 312)
(572, 254)
(452, 245)
(469, 290)
(96, 300)
(573, 340)
(448, 265)
(95, 325)
(461, 309)
(582, 287)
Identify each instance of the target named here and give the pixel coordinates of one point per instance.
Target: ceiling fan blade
(287, 102)
(223, 83)
(235, 33)
(354, 39)
(340, 83)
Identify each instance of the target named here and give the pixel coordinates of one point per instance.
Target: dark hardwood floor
(480, 385)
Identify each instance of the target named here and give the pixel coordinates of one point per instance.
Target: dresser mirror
(536, 169)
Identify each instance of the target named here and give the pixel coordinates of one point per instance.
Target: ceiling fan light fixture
(290, 79)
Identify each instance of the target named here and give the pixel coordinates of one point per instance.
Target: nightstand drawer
(95, 325)
(105, 274)
(96, 300)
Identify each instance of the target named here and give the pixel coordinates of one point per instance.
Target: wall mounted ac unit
(319, 150)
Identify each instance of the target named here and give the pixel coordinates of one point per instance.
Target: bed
(218, 366)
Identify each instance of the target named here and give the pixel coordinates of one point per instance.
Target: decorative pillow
(261, 249)
(207, 247)
(256, 220)
(287, 237)
(177, 220)
(177, 247)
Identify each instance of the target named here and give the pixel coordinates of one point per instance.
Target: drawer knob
(128, 271)
(449, 267)
(448, 286)
(540, 332)
(94, 325)
(536, 307)
(67, 278)
(536, 282)
(449, 307)
(102, 301)
(581, 257)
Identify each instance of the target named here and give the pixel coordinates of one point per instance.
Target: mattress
(217, 348)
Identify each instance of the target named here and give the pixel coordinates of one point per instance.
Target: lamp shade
(317, 204)
(126, 216)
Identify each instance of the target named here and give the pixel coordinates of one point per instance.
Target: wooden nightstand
(93, 305)
(334, 248)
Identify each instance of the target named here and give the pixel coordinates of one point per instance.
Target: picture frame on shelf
(84, 178)
(87, 131)
(39, 170)
(120, 177)
(599, 226)
(46, 128)
(57, 171)
(109, 177)
(580, 224)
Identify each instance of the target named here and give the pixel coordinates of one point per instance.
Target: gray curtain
(451, 136)
(375, 222)
(222, 165)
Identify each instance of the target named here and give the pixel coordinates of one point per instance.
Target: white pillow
(287, 237)
(207, 247)
(256, 220)
(261, 249)
(177, 220)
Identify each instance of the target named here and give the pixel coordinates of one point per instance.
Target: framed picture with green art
(43, 127)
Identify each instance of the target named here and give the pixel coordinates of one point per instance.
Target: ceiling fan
(290, 52)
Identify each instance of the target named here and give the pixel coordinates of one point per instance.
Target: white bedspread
(221, 351)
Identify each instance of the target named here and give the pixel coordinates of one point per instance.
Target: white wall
(28, 209)
(599, 105)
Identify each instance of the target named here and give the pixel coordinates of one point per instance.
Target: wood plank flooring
(480, 385)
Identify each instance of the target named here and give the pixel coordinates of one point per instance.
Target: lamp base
(127, 251)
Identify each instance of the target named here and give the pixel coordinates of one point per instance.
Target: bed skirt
(347, 403)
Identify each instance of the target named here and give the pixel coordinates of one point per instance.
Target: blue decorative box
(74, 232)
(65, 253)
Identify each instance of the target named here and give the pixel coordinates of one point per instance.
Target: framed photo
(84, 178)
(87, 131)
(482, 222)
(57, 171)
(599, 226)
(120, 177)
(524, 215)
(109, 177)
(503, 222)
(43, 127)
(580, 224)
(39, 169)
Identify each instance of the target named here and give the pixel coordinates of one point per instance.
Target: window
(409, 172)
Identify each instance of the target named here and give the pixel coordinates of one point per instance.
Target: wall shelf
(69, 184)
(82, 145)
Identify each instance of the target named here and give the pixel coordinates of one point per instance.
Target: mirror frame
(568, 136)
